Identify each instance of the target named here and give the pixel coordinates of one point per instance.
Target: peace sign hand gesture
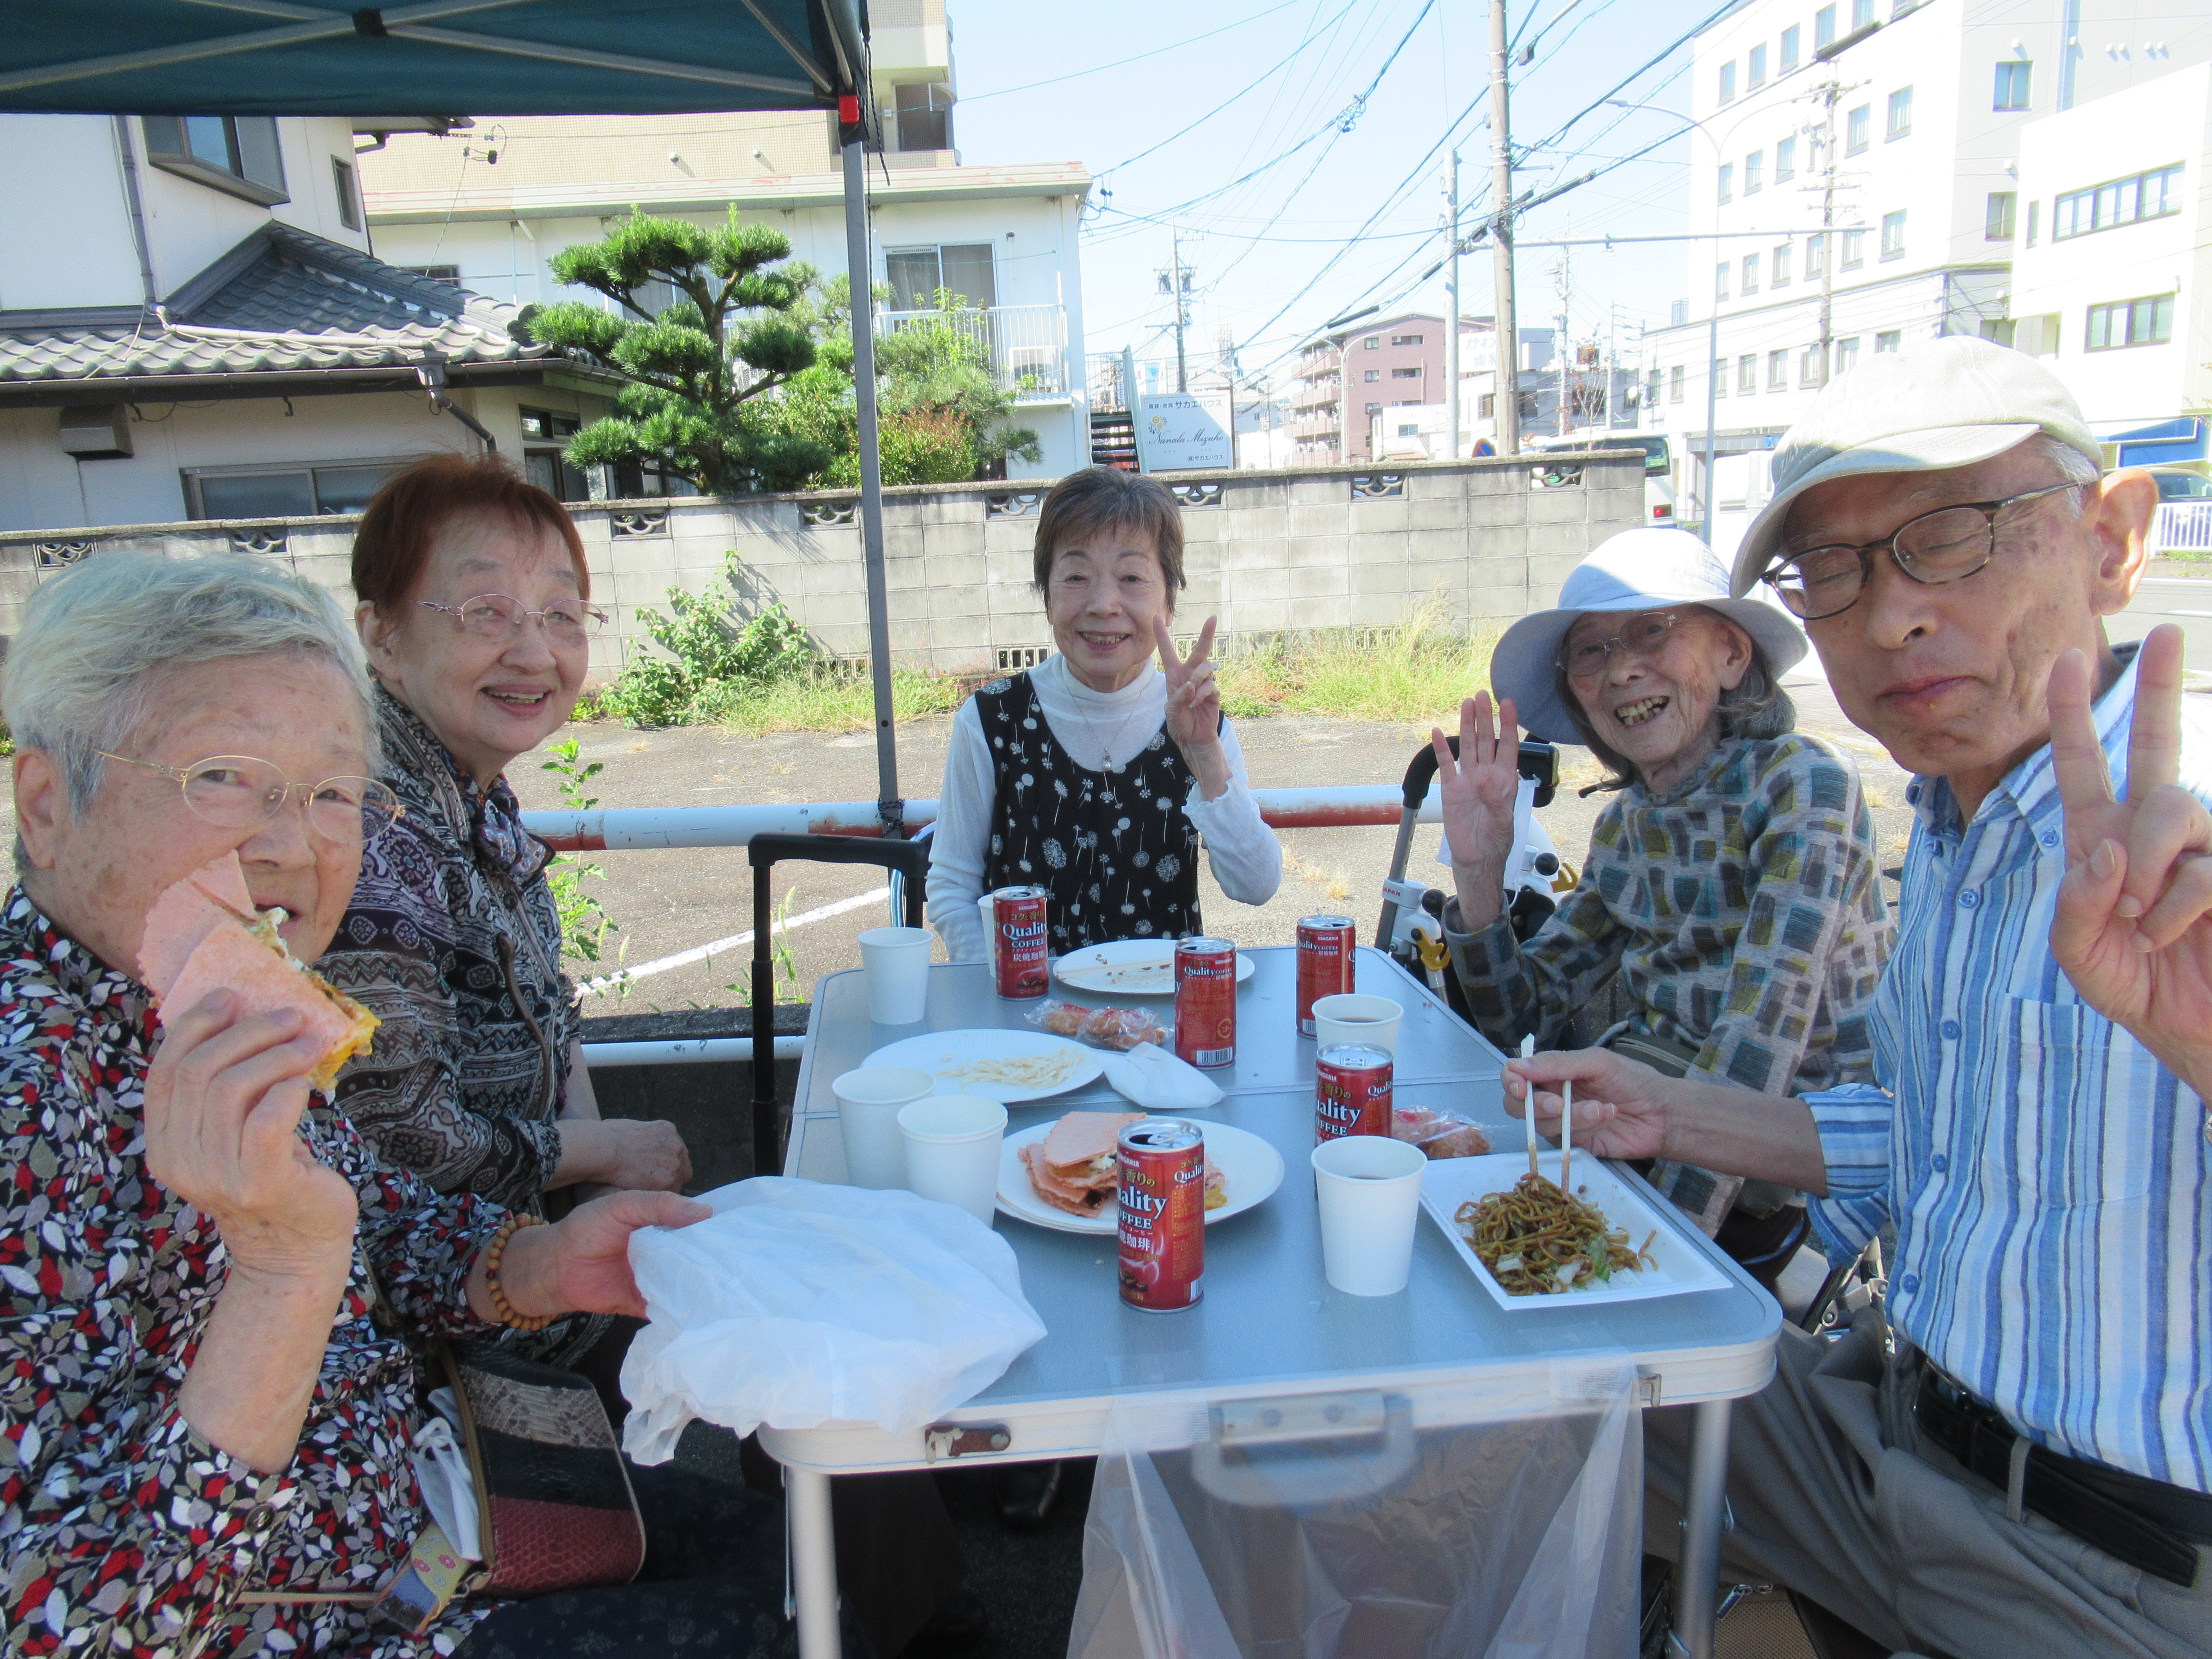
(1477, 793)
(2131, 928)
(1193, 717)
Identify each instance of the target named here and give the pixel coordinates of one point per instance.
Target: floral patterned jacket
(126, 1532)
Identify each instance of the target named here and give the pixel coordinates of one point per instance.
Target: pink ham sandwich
(1075, 1167)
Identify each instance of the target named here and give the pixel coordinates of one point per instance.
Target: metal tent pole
(859, 262)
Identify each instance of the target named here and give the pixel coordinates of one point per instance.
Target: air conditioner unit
(96, 432)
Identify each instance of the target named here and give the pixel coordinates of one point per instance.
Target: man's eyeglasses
(1644, 636)
(496, 616)
(1946, 545)
(241, 792)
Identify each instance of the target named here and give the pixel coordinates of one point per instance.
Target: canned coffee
(1205, 1001)
(1351, 1091)
(1325, 962)
(1161, 1215)
(1021, 959)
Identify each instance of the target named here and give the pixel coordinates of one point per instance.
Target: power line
(1123, 63)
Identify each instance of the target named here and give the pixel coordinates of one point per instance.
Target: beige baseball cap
(1950, 403)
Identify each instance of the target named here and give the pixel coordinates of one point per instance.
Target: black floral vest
(1116, 850)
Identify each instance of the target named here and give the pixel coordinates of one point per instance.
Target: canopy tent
(450, 57)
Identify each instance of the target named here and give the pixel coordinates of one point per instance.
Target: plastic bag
(1440, 1135)
(1109, 1028)
(1506, 1541)
(797, 1303)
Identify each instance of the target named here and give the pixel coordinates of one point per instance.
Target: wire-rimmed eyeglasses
(239, 792)
(496, 616)
(1644, 636)
(1946, 545)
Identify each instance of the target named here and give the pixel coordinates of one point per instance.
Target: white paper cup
(1368, 1189)
(868, 1102)
(988, 909)
(953, 1151)
(895, 961)
(1352, 1017)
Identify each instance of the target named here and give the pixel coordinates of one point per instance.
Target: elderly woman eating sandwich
(208, 1436)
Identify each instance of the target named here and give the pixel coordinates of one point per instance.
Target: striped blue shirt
(2050, 1181)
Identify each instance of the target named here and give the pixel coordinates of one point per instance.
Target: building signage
(1185, 431)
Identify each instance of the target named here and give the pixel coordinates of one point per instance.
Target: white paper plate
(1127, 968)
(1251, 1168)
(955, 1058)
(1449, 1182)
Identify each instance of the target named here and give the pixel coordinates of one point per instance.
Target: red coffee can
(1020, 957)
(1351, 1091)
(1161, 1215)
(1325, 962)
(1205, 1001)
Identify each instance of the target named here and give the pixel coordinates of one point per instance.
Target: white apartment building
(1003, 238)
(1883, 197)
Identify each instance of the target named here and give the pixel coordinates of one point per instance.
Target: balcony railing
(2182, 527)
(1025, 345)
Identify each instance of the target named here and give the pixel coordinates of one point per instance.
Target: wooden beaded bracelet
(502, 1309)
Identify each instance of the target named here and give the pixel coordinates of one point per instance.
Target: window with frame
(1413, 374)
(2152, 195)
(1892, 235)
(1791, 37)
(1809, 368)
(1998, 218)
(1857, 126)
(1676, 377)
(1727, 177)
(1651, 388)
(349, 193)
(1747, 374)
(545, 435)
(1720, 281)
(2032, 208)
(1373, 408)
(1786, 159)
(1890, 339)
(2147, 321)
(1816, 257)
(296, 490)
(1754, 166)
(1404, 339)
(1900, 115)
(1750, 273)
(1854, 251)
(1678, 313)
(238, 154)
(1778, 371)
(2013, 80)
(1824, 28)
(1779, 268)
(1847, 354)
(1372, 343)
(1861, 14)
(925, 115)
(1373, 375)
(1485, 406)
(962, 270)
(1755, 70)
(1727, 82)
(1409, 429)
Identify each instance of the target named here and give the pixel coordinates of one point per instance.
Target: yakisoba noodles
(1539, 1241)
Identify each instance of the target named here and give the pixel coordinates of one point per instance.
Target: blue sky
(1259, 249)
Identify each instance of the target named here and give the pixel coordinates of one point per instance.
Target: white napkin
(1158, 1081)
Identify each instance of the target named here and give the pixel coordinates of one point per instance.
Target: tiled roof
(282, 302)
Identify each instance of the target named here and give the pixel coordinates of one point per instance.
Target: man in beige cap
(2018, 1463)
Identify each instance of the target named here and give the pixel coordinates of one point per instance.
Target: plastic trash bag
(1507, 1540)
(797, 1303)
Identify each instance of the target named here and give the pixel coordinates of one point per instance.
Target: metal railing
(2182, 526)
(1025, 345)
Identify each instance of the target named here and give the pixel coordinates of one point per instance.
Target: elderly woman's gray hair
(1755, 706)
(85, 666)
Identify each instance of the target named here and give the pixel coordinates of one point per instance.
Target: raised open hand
(1476, 792)
(1193, 714)
(2131, 928)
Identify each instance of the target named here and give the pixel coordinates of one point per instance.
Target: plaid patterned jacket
(1743, 910)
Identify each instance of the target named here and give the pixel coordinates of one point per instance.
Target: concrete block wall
(1469, 543)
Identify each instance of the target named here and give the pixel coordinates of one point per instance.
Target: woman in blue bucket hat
(1731, 883)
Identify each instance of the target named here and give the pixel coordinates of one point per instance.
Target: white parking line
(715, 947)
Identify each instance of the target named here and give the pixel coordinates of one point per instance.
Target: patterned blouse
(126, 1532)
(1743, 910)
(452, 942)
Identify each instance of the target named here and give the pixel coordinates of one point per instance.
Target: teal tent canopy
(488, 57)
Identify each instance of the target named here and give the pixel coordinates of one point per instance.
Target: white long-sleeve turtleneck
(1100, 731)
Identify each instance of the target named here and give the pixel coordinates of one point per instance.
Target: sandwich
(204, 933)
(1076, 1168)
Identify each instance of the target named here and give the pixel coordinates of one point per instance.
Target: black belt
(2148, 1524)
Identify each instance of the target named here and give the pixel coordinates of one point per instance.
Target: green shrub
(709, 654)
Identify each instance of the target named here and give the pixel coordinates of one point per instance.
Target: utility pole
(1451, 307)
(1612, 372)
(1832, 91)
(1508, 399)
(1175, 245)
(1565, 346)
